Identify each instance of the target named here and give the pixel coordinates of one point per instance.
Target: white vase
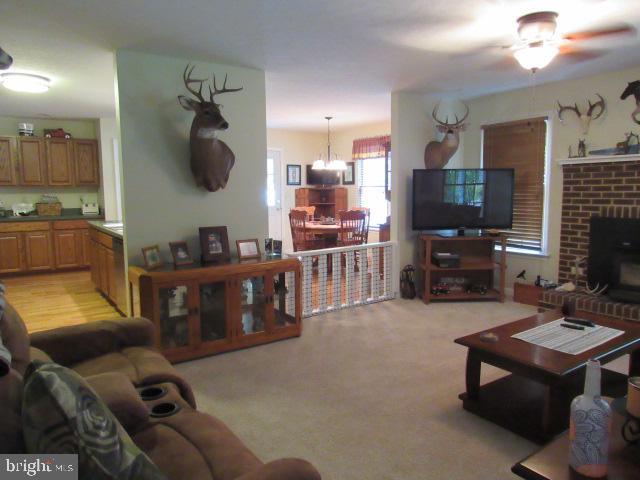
(590, 427)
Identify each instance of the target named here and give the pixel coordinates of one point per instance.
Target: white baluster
(387, 271)
(336, 279)
(350, 280)
(307, 285)
(364, 284)
(322, 283)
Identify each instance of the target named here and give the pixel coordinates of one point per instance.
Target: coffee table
(551, 462)
(533, 401)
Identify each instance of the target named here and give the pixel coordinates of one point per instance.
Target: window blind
(521, 145)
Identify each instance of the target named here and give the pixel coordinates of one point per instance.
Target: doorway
(274, 193)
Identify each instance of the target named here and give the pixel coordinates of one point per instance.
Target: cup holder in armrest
(164, 409)
(152, 393)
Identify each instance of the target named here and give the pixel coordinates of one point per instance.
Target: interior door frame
(284, 219)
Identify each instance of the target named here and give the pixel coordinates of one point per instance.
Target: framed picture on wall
(349, 175)
(214, 244)
(248, 249)
(180, 252)
(294, 175)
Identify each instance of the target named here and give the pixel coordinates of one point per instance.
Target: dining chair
(352, 228)
(366, 226)
(311, 211)
(301, 237)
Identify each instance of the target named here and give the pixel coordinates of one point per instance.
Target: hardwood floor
(58, 299)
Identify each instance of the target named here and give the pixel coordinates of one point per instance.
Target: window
(522, 146)
(371, 189)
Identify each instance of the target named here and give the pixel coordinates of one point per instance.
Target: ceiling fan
(539, 41)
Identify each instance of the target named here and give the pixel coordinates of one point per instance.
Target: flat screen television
(322, 177)
(462, 198)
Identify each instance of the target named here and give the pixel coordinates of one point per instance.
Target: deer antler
(600, 103)
(446, 123)
(224, 88)
(563, 109)
(186, 77)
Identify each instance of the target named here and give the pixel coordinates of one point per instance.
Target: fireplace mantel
(598, 159)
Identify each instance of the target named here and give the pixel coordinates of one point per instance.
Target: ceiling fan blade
(622, 29)
(576, 55)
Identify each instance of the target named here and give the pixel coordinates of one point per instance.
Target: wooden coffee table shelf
(533, 401)
(478, 262)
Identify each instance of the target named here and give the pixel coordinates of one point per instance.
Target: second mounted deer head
(437, 154)
(594, 111)
(633, 88)
(211, 158)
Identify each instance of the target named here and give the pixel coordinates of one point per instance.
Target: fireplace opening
(626, 286)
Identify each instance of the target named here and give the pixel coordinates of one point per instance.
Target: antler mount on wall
(211, 158)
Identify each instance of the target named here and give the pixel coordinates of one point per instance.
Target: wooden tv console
(478, 262)
(327, 200)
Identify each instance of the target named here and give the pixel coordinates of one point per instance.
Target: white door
(274, 193)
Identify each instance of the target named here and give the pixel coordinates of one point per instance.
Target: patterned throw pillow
(62, 414)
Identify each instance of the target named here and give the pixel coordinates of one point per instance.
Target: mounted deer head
(211, 159)
(594, 111)
(437, 154)
(633, 88)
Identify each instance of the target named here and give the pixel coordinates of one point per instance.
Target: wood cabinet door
(302, 197)
(11, 252)
(86, 248)
(68, 248)
(85, 154)
(59, 161)
(8, 161)
(38, 251)
(112, 288)
(103, 270)
(341, 200)
(32, 161)
(94, 253)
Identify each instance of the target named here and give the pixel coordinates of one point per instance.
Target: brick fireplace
(606, 189)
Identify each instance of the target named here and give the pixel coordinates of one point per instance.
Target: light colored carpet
(366, 393)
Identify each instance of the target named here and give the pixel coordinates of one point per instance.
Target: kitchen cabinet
(106, 254)
(328, 201)
(38, 251)
(69, 242)
(86, 162)
(11, 252)
(86, 248)
(8, 165)
(202, 311)
(60, 161)
(33, 169)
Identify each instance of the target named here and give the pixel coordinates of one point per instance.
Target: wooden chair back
(310, 211)
(352, 228)
(367, 211)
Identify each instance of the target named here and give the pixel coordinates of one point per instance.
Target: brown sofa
(117, 360)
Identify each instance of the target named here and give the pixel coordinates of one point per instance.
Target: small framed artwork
(294, 175)
(152, 258)
(180, 252)
(349, 175)
(214, 244)
(248, 249)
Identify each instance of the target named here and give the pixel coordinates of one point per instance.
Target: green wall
(77, 128)
(161, 201)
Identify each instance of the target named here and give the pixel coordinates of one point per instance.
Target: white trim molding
(598, 159)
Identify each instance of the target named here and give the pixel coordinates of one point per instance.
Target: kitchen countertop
(106, 227)
(66, 214)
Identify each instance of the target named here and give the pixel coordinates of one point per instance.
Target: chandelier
(330, 163)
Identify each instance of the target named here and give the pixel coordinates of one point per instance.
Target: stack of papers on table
(552, 335)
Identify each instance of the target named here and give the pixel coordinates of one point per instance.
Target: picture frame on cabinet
(214, 244)
(152, 258)
(248, 249)
(180, 253)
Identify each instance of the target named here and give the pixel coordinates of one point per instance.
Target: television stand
(479, 260)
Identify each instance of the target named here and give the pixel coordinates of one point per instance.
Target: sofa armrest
(70, 345)
(121, 397)
(283, 469)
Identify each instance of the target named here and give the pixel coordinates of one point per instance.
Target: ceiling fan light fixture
(25, 82)
(537, 26)
(535, 56)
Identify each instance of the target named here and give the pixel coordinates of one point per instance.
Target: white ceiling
(330, 57)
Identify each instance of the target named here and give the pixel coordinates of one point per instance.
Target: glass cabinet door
(284, 299)
(213, 312)
(174, 316)
(253, 305)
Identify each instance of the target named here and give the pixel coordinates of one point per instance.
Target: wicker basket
(49, 209)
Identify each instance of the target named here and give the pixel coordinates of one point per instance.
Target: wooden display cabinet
(205, 310)
(328, 201)
(478, 263)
